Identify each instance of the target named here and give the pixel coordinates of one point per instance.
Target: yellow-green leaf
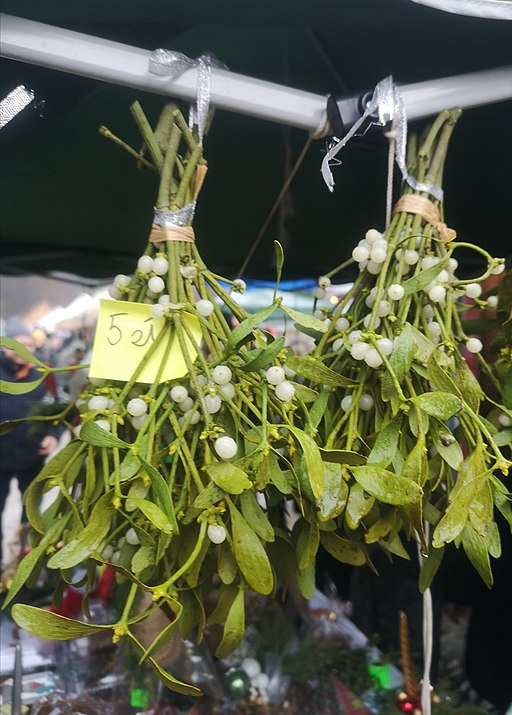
(97, 436)
(429, 567)
(44, 624)
(19, 388)
(89, 539)
(386, 486)
(307, 543)
(234, 627)
(334, 496)
(154, 514)
(344, 550)
(250, 555)
(29, 562)
(342, 456)
(358, 505)
(228, 477)
(306, 321)
(314, 370)
(384, 449)
(247, 326)
(441, 405)
(306, 581)
(255, 516)
(314, 463)
(226, 564)
(454, 519)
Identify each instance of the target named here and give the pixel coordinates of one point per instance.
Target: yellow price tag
(125, 332)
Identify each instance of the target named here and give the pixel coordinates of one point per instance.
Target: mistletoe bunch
(180, 482)
(412, 453)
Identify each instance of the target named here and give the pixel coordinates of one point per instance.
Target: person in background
(22, 454)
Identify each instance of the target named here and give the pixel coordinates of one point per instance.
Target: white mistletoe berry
(360, 253)
(216, 533)
(205, 307)
(377, 255)
(156, 284)
(98, 402)
(160, 266)
(186, 405)
(222, 374)
(324, 282)
(354, 336)
(474, 345)
(505, 420)
(132, 537)
(492, 302)
(499, 267)
(320, 293)
(372, 235)
(342, 324)
(239, 286)
(366, 402)
(359, 350)
(373, 267)
(337, 344)
(227, 391)
(213, 403)
(437, 293)
(473, 290)
(137, 407)
(275, 375)
(395, 292)
(225, 447)
(383, 309)
(137, 422)
(164, 299)
(385, 346)
(346, 403)
(285, 391)
(372, 358)
(411, 257)
(121, 280)
(145, 264)
(179, 393)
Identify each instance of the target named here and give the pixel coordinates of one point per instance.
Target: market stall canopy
(73, 202)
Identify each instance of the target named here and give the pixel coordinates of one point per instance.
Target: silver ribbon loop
(180, 217)
(386, 103)
(173, 64)
(15, 101)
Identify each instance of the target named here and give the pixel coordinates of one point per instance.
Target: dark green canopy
(73, 202)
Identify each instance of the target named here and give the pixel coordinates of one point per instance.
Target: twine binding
(429, 211)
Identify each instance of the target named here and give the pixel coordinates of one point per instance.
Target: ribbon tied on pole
(385, 106)
(172, 64)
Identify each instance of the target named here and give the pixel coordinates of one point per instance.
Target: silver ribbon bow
(173, 64)
(387, 104)
(180, 217)
(12, 105)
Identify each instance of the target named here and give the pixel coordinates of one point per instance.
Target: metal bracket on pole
(76, 53)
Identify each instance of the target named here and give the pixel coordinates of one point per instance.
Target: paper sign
(125, 332)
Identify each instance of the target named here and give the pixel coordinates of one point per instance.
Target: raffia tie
(429, 211)
(159, 234)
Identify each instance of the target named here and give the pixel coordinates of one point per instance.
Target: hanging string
(274, 208)
(391, 137)
(428, 630)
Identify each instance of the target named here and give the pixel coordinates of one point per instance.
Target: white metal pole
(76, 53)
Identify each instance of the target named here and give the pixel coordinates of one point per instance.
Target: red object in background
(71, 604)
(352, 704)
